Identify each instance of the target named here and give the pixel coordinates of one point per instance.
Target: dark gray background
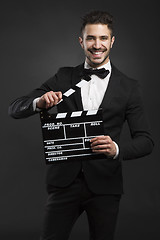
(38, 37)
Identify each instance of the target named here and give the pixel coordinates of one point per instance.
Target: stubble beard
(96, 64)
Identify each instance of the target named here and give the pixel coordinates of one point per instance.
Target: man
(94, 186)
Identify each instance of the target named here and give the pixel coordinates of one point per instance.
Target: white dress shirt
(93, 91)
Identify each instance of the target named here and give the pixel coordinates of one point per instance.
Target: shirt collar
(107, 66)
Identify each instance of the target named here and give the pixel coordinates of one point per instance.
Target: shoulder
(122, 75)
(65, 77)
(125, 81)
(69, 70)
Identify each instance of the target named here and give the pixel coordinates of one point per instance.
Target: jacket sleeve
(23, 107)
(141, 142)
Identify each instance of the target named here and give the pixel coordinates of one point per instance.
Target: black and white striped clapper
(66, 136)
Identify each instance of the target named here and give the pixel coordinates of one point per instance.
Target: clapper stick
(72, 90)
(82, 82)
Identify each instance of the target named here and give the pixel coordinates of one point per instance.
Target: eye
(89, 38)
(104, 38)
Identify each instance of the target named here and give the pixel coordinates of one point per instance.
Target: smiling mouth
(96, 53)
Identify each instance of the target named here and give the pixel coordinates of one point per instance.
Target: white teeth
(96, 53)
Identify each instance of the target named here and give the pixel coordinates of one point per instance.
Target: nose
(97, 44)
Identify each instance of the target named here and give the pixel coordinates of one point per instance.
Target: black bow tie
(101, 73)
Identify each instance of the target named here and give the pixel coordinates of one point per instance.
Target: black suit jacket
(122, 102)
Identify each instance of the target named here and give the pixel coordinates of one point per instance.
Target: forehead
(96, 30)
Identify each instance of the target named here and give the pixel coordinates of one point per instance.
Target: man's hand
(49, 99)
(103, 144)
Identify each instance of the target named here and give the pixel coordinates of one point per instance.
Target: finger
(107, 138)
(106, 151)
(99, 147)
(59, 95)
(51, 100)
(100, 142)
(93, 140)
(54, 97)
(46, 99)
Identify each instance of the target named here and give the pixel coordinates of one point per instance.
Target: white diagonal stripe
(81, 83)
(69, 92)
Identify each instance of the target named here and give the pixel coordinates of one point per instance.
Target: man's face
(96, 43)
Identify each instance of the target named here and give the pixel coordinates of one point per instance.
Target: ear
(81, 42)
(112, 41)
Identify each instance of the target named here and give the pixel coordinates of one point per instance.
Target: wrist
(35, 106)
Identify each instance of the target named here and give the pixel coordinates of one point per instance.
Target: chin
(97, 62)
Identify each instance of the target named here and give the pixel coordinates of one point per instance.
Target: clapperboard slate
(67, 136)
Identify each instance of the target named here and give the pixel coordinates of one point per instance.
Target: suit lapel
(112, 89)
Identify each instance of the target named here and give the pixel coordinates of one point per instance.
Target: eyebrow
(95, 36)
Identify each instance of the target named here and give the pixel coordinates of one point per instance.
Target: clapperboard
(66, 136)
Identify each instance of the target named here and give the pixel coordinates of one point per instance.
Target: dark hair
(95, 17)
